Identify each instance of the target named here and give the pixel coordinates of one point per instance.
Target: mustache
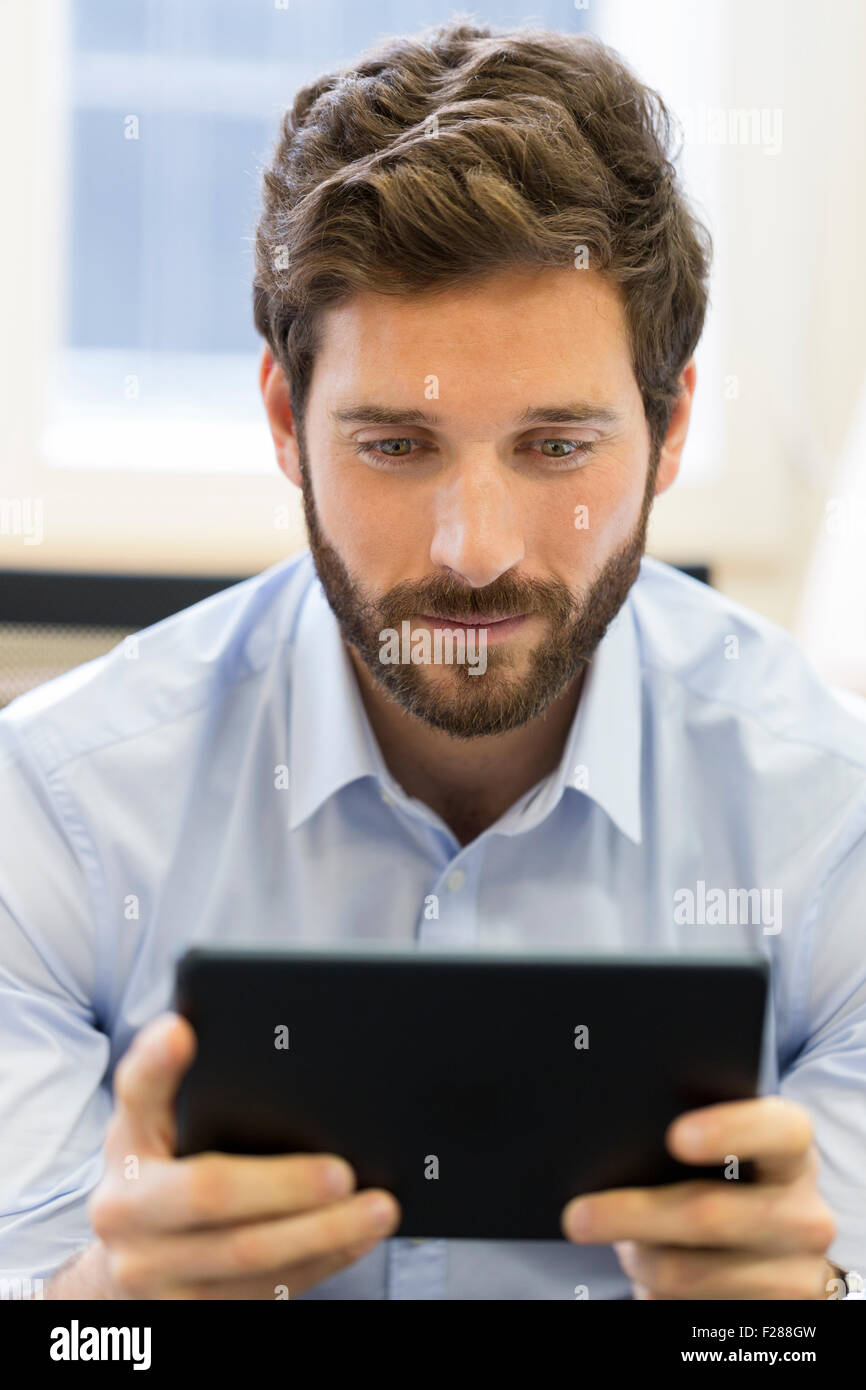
(506, 598)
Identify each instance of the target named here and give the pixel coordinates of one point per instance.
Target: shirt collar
(330, 740)
(602, 755)
(331, 743)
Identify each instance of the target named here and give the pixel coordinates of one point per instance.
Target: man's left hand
(722, 1239)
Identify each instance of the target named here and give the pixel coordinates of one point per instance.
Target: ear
(281, 421)
(671, 451)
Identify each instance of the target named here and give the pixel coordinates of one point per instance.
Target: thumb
(146, 1081)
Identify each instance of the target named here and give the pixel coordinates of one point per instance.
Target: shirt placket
(417, 1265)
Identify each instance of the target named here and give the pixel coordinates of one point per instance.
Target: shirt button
(387, 798)
(456, 880)
(417, 1240)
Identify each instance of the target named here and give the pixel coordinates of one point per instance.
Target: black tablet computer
(484, 1090)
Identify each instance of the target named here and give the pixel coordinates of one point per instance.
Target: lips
(488, 630)
(472, 620)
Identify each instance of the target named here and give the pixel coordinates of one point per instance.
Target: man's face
(480, 454)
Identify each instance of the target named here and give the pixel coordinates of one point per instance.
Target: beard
(503, 698)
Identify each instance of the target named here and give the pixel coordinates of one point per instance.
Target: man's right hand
(211, 1226)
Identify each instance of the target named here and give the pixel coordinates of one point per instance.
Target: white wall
(791, 227)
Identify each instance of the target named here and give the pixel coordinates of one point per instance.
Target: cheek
(619, 496)
(597, 517)
(614, 518)
(375, 524)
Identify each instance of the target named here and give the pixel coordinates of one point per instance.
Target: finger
(214, 1190)
(772, 1218)
(146, 1080)
(253, 1250)
(774, 1132)
(282, 1284)
(669, 1272)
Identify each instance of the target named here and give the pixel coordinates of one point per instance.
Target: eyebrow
(571, 412)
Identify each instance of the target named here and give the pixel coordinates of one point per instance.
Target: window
(174, 105)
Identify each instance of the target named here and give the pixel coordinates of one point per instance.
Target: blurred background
(136, 470)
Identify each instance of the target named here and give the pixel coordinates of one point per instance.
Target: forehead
(515, 327)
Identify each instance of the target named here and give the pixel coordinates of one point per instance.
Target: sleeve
(54, 1104)
(828, 1075)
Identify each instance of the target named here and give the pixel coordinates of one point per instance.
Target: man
(480, 289)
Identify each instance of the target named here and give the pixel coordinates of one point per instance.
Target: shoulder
(171, 671)
(727, 668)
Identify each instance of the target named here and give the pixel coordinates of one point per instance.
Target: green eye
(562, 449)
(384, 446)
(565, 448)
(397, 448)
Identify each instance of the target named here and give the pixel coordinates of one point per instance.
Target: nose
(476, 527)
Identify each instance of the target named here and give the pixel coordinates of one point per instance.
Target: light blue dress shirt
(216, 779)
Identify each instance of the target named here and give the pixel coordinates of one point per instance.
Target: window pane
(175, 107)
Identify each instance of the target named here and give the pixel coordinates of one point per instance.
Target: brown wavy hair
(446, 155)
